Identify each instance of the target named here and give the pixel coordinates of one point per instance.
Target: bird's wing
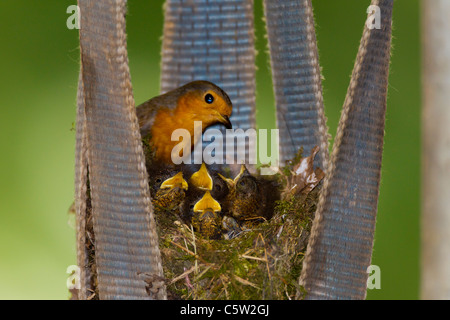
(147, 111)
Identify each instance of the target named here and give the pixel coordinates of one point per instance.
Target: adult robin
(160, 116)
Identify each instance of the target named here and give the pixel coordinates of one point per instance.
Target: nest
(261, 263)
(264, 261)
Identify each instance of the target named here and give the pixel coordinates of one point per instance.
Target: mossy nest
(262, 262)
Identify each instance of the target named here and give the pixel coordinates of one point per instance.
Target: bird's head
(166, 178)
(167, 194)
(245, 183)
(206, 102)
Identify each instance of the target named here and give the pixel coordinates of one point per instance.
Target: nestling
(206, 218)
(167, 191)
(250, 199)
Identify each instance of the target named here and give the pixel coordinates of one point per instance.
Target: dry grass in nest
(262, 263)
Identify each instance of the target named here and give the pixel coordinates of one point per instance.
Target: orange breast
(166, 122)
(182, 117)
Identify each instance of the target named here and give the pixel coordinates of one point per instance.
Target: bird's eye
(209, 98)
(158, 180)
(218, 187)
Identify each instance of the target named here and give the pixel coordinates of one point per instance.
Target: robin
(199, 182)
(212, 180)
(220, 191)
(178, 109)
(206, 218)
(251, 199)
(247, 197)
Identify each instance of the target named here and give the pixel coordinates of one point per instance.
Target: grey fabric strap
(340, 246)
(296, 78)
(108, 140)
(80, 195)
(212, 40)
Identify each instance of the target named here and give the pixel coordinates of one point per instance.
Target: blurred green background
(39, 62)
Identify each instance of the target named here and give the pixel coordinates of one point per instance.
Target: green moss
(262, 263)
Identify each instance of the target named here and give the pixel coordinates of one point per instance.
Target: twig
(246, 282)
(195, 248)
(181, 276)
(253, 258)
(191, 253)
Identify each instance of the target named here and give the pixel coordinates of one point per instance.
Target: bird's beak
(201, 179)
(176, 181)
(241, 172)
(229, 182)
(226, 121)
(207, 202)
